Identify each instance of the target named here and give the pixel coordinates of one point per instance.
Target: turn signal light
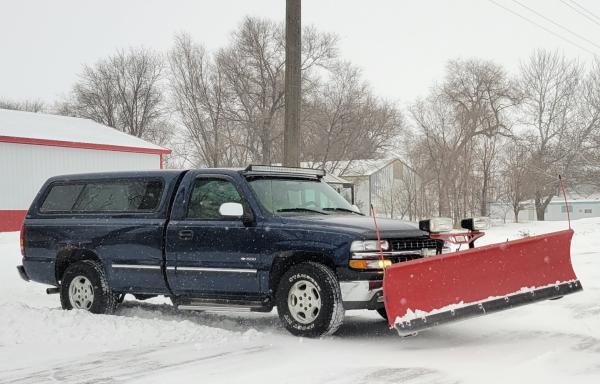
(369, 264)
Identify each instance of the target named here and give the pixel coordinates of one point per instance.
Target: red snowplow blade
(440, 289)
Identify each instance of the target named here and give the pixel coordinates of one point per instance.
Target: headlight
(368, 245)
(436, 224)
(369, 264)
(475, 223)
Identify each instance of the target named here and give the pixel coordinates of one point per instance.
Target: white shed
(36, 146)
(387, 184)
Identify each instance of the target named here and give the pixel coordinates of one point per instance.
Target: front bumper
(22, 272)
(362, 294)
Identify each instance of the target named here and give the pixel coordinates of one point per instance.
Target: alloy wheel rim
(81, 293)
(304, 301)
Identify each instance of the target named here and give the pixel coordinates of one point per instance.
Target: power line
(582, 13)
(585, 9)
(541, 26)
(557, 24)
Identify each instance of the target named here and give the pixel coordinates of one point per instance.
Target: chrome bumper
(361, 294)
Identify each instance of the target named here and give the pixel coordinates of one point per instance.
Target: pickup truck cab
(214, 239)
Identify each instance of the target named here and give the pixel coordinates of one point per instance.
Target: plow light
(368, 245)
(436, 225)
(475, 223)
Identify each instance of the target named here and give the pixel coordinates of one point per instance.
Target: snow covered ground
(149, 342)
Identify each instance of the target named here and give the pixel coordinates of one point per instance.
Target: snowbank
(150, 342)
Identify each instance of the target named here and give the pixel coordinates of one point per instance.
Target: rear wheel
(84, 286)
(309, 301)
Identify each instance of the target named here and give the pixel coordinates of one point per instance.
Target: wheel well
(69, 256)
(284, 262)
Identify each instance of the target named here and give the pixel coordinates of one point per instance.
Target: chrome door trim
(135, 266)
(208, 269)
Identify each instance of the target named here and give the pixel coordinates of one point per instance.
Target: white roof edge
(43, 126)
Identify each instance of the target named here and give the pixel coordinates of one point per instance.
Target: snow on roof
(364, 167)
(333, 179)
(353, 168)
(41, 126)
(572, 200)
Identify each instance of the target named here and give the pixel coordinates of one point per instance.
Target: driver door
(208, 254)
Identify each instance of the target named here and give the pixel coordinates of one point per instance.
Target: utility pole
(291, 133)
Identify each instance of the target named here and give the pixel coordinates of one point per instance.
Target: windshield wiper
(342, 210)
(298, 209)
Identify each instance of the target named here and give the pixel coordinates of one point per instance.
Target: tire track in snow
(121, 366)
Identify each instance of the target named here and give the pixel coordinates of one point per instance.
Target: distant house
(579, 207)
(342, 186)
(387, 184)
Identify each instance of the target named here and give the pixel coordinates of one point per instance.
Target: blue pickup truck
(214, 239)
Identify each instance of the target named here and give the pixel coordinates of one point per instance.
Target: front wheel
(309, 301)
(84, 286)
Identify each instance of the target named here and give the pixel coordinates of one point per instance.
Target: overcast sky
(401, 46)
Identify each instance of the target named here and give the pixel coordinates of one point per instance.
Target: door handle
(186, 234)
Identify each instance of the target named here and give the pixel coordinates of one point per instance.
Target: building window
(587, 210)
(564, 210)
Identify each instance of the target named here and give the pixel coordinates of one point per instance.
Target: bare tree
(457, 124)
(486, 157)
(197, 87)
(253, 68)
(123, 91)
(550, 84)
(516, 174)
(25, 105)
(345, 121)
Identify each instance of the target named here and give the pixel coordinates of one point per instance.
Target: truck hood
(362, 226)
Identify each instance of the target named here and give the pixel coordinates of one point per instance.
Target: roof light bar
(289, 170)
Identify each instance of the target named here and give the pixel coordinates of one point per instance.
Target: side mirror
(231, 210)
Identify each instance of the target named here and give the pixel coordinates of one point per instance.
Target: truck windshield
(287, 196)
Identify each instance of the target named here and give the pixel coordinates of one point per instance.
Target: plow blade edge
(427, 292)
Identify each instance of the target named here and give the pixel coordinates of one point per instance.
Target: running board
(412, 326)
(223, 305)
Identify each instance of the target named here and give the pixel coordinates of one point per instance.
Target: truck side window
(61, 198)
(121, 196)
(207, 197)
(111, 196)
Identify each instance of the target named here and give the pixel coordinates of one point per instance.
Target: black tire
(103, 300)
(382, 312)
(330, 315)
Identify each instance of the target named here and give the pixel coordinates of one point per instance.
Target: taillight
(22, 240)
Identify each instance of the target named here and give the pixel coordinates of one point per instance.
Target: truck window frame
(244, 200)
(84, 182)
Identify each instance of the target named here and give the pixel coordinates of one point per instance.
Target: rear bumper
(362, 294)
(22, 272)
(38, 270)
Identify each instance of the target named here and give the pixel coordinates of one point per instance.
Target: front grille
(402, 258)
(414, 244)
(411, 245)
